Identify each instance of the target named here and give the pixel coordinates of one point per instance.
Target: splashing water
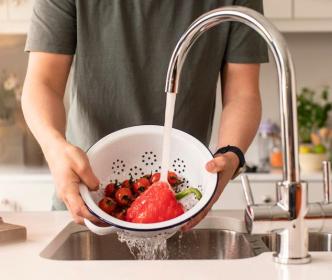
(169, 115)
(147, 248)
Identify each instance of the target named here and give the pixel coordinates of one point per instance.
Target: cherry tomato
(123, 196)
(126, 184)
(107, 204)
(141, 185)
(121, 214)
(173, 179)
(109, 190)
(155, 178)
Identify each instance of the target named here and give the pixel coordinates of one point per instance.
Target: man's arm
(239, 122)
(44, 111)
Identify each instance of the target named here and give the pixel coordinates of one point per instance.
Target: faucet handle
(327, 181)
(247, 190)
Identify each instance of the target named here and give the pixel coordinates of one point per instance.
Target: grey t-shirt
(122, 50)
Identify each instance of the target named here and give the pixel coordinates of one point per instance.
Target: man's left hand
(225, 165)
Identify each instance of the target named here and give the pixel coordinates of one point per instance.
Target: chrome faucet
(291, 217)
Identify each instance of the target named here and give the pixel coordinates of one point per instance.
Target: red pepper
(156, 204)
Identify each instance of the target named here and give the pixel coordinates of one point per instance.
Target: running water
(147, 248)
(155, 247)
(169, 115)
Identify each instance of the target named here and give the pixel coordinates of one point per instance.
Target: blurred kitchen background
(25, 182)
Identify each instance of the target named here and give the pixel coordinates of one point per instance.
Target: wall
(312, 55)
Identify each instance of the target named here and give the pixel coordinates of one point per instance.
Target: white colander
(136, 151)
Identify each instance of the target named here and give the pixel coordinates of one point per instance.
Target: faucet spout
(276, 42)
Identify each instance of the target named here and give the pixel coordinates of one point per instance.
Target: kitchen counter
(22, 261)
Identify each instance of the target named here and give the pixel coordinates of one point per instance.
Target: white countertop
(21, 260)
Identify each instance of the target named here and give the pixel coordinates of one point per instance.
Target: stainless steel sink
(321, 242)
(76, 243)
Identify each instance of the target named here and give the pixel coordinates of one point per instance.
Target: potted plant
(313, 111)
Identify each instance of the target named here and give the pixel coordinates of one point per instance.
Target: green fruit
(305, 149)
(319, 149)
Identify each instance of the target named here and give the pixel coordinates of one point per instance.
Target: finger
(84, 171)
(77, 219)
(216, 165)
(77, 206)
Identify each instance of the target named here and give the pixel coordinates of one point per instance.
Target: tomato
(157, 204)
(107, 204)
(123, 196)
(126, 184)
(109, 190)
(141, 185)
(121, 214)
(155, 178)
(173, 179)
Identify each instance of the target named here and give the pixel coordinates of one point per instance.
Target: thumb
(216, 165)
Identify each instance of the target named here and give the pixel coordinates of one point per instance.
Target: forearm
(242, 107)
(42, 98)
(240, 120)
(44, 112)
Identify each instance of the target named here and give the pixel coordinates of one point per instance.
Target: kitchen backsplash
(312, 54)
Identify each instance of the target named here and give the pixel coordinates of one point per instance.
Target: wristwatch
(237, 151)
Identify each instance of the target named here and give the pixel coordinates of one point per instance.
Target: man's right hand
(69, 166)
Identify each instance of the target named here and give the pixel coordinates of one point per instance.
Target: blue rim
(167, 227)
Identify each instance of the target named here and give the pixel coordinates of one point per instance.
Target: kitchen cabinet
(26, 190)
(278, 9)
(20, 9)
(313, 9)
(263, 189)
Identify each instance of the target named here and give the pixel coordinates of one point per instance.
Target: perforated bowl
(136, 151)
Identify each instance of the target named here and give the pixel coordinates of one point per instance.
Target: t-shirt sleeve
(53, 27)
(245, 45)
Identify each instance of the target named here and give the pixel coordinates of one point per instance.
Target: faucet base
(304, 260)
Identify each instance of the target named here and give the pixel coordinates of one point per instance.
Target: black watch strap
(234, 150)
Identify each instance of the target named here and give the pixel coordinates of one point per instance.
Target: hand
(69, 166)
(226, 165)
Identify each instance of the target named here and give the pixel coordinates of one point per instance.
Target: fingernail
(211, 165)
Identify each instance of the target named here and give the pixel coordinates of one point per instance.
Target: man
(122, 49)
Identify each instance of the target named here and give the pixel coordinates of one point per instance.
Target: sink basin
(321, 242)
(77, 243)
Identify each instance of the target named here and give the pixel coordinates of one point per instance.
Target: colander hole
(151, 153)
(182, 170)
(117, 160)
(117, 166)
(151, 163)
(122, 170)
(146, 164)
(143, 160)
(146, 153)
(123, 165)
(182, 161)
(154, 156)
(149, 158)
(155, 160)
(131, 169)
(140, 169)
(135, 173)
(143, 156)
